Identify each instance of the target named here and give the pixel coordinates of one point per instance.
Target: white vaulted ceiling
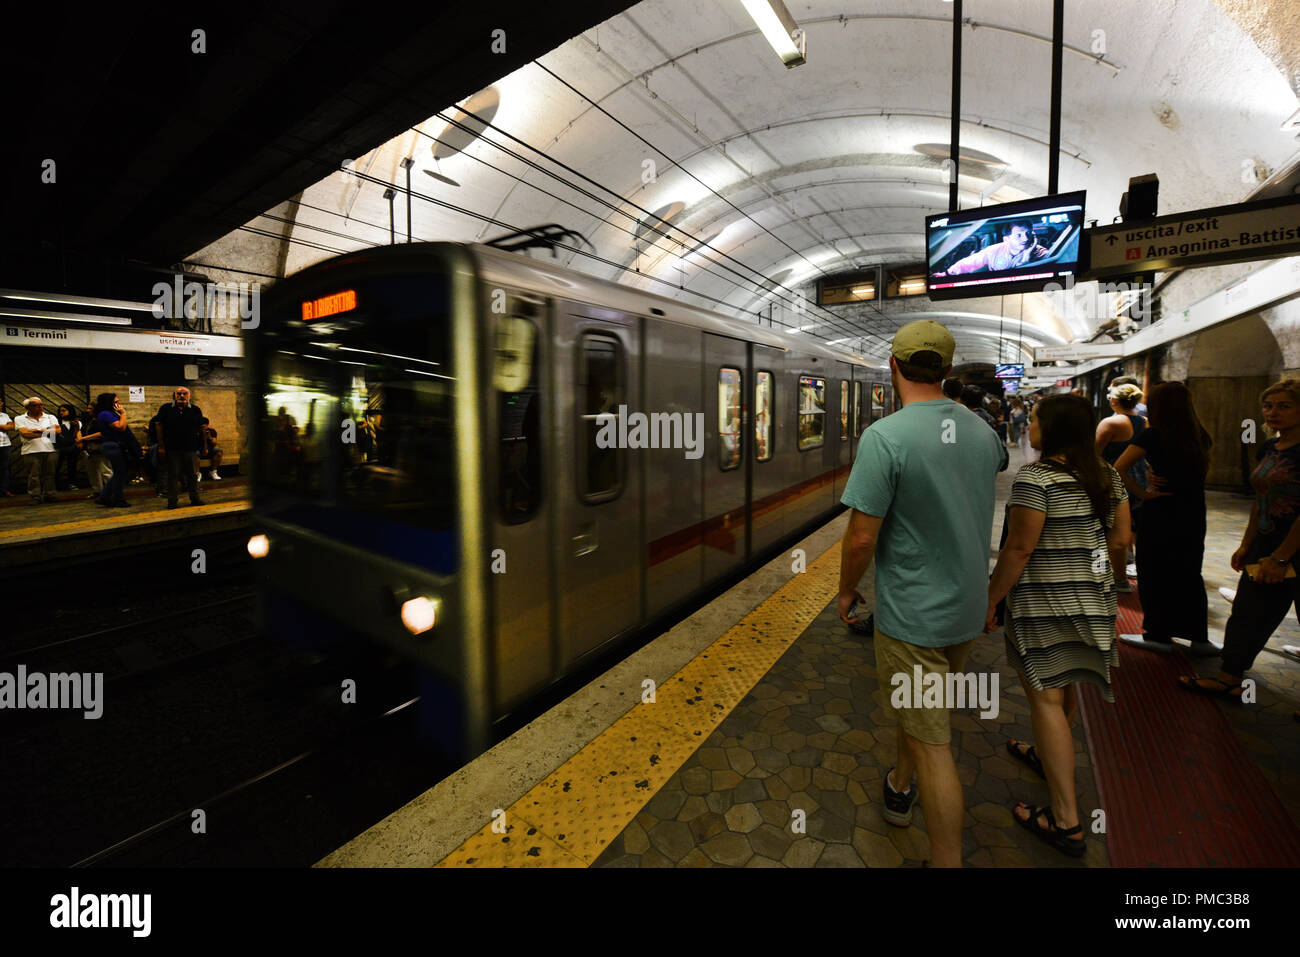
(795, 173)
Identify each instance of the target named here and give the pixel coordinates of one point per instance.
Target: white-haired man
(38, 428)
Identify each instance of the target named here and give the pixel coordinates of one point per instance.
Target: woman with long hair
(1171, 521)
(111, 418)
(1266, 557)
(1066, 510)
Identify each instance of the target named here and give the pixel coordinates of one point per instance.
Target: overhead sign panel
(1079, 352)
(1268, 229)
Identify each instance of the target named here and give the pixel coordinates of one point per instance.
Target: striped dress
(1061, 613)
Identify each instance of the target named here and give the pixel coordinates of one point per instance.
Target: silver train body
(551, 546)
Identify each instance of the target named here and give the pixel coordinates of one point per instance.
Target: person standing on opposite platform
(921, 498)
(37, 428)
(6, 445)
(112, 426)
(179, 439)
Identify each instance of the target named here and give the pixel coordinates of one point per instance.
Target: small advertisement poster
(137, 393)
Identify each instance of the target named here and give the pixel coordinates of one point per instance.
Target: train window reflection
(600, 393)
(763, 416)
(844, 410)
(729, 403)
(812, 412)
(519, 418)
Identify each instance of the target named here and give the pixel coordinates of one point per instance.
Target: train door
(522, 504)
(771, 418)
(597, 492)
(843, 453)
(726, 448)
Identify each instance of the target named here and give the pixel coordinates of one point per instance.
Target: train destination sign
(1268, 229)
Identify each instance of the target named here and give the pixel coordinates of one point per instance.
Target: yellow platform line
(569, 818)
(110, 522)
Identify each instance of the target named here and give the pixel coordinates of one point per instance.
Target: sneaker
(1139, 641)
(1131, 570)
(1229, 594)
(1291, 651)
(898, 807)
(1123, 587)
(1204, 649)
(214, 476)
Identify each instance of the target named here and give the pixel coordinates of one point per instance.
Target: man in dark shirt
(178, 444)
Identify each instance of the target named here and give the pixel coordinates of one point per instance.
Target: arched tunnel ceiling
(814, 169)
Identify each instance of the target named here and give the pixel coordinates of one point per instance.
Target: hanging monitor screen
(1008, 371)
(1015, 247)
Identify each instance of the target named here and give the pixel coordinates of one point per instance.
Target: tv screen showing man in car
(1016, 247)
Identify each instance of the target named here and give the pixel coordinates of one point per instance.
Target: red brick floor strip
(1178, 787)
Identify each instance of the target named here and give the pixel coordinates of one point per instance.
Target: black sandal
(1059, 838)
(1028, 757)
(1224, 690)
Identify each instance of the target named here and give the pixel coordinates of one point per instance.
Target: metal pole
(407, 163)
(1058, 46)
(954, 147)
(392, 236)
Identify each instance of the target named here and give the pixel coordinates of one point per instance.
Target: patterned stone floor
(816, 736)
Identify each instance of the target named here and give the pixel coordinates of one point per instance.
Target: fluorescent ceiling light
(776, 24)
(911, 285)
(863, 290)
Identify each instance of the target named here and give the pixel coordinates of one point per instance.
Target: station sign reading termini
(1268, 229)
(330, 305)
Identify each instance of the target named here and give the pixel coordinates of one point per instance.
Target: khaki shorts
(928, 725)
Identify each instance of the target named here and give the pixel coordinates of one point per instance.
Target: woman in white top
(6, 444)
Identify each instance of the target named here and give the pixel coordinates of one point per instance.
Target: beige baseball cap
(924, 335)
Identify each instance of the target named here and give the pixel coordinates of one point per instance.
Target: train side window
(812, 412)
(763, 416)
(730, 440)
(600, 393)
(844, 410)
(857, 409)
(877, 401)
(519, 417)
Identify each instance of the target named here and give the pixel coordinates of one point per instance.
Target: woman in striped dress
(1066, 512)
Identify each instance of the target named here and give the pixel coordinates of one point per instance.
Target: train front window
(357, 427)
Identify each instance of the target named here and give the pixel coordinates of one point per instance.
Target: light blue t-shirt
(928, 471)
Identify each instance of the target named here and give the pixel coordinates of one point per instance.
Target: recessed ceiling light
(655, 224)
(966, 155)
(484, 105)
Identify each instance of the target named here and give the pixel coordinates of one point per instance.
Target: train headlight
(258, 546)
(419, 614)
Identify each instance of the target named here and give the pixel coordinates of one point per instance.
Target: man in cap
(921, 498)
(38, 428)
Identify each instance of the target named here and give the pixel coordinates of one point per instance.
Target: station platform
(74, 526)
(766, 704)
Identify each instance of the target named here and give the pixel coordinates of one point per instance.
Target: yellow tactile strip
(101, 523)
(569, 818)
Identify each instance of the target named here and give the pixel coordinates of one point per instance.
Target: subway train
(499, 467)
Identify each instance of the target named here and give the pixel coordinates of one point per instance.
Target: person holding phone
(112, 424)
(1268, 547)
